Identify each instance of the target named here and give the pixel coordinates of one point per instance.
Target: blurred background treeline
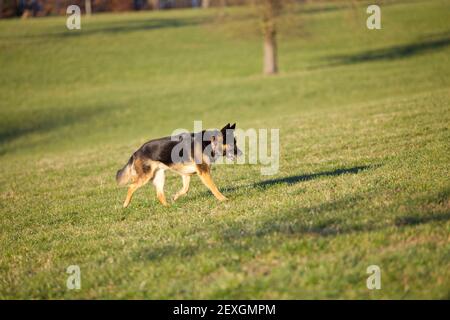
(39, 8)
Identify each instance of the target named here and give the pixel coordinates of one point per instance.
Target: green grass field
(364, 155)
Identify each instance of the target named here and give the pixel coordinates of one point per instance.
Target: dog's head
(225, 142)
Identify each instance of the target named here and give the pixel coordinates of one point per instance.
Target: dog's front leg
(133, 187)
(184, 189)
(205, 176)
(158, 182)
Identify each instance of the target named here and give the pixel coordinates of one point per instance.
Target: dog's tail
(124, 174)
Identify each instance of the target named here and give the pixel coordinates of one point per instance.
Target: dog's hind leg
(184, 189)
(158, 182)
(141, 180)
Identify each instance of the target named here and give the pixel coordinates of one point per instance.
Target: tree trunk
(205, 4)
(270, 52)
(270, 11)
(57, 7)
(155, 4)
(88, 7)
(1, 9)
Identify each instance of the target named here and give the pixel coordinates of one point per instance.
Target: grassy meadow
(364, 155)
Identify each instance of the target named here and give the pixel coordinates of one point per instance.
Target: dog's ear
(224, 129)
(233, 126)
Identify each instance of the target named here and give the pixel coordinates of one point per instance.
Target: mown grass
(364, 156)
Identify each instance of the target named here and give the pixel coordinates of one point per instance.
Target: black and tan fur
(153, 158)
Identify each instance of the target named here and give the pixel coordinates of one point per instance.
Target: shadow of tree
(128, 26)
(323, 220)
(45, 121)
(138, 25)
(415, 219)
(296, 222)
(168, 250)
(242, 236)
(391, 53)
(117, 27)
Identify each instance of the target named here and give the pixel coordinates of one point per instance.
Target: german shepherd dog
(154, 157)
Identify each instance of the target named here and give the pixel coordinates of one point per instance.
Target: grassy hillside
(364, 156)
